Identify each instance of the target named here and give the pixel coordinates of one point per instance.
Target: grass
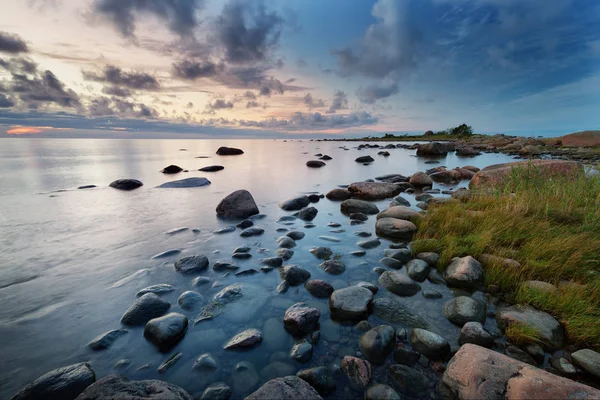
(550, 226)
(522, 334)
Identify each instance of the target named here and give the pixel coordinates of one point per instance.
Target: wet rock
(244, 377)
(294, 275)
(364, 159)
(430, 344)
(216, 391)
(294, 204)
(588, 360)
(319, 378)
(274, 262)
(205, 362)
(352, 206)
(277, 369)
(325, 157)
(432, 294)
(474, 333)
(463, 309)
(166, 254)
(171, 169)
(302, 351)
(403, 255)
(378, 343)
(282, 287)
(247, 223)
(399, 283)
(144, 309)
(429, 257)
(435, 277)
(395, 228)
(201, 280)
(367, 285)
(373, 191)
(87, 187)
(319, 288)
(563, 366)
(287, 387)
(358, 253)
(392, 310)
(286, 254)
(228, 294)
(338, 194)
(61, 383)
(169, 363)
(358, 371)
(190, 300)
(404, 356)
(322, 253)
(300, 319)
(368, 244)
(126, 184)
(434, 149)
(244, 339)
(241, 256)
(191, 264)
(420, 179)
(333, 267)
(226, 229)
(308, 213)
(381, 392)
(549, 329)
(400, 212)
(185, 183)
(252, 231)
(408, 381)
(399, 201)
(296, 235)
(242, 249)
(105, 340)
(164, 332)
(222, 265)
(417, 270)
(465, 272)
(363, 234)
(212, 168)
(315, 164)
(156, 289)
(239, 204)
(229, 151)
(286, 242)
(118, 387)
(518, 354)
(391, 262)
(350, 304)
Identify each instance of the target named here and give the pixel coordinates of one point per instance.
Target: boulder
(338, 194)
(479, 373)
(588, 360)
(398, 283)
(216, 391)
(294, 275)
(417, 270)
(320, 378)
(286, 242)
(315, 164)
(229, 151)
(171, 169)
(244, 339)
(285, 388)
(395, 228)
(166, 331)
(302, 351)
(465, 173)
(61, 383)
(295, 204)
(190, 300)
(185, 183)
(400, 212)
(420, 179)
(550, 331)
(350, 304)
(119, 387)
(191, 264)
(239, 205)
(433, 149)
(447, 176)
(126, 184)
(499, 174)
(333, 267)
(463, 309)
(352, 206)
(364, 159)
(144, 309)
(358, 371)
(373, 191)
(394, 311)
(430, 344)
(380, 391)
(212, 168)
(322, 253)
(300, 319)
(465, 272)
(582, 139)
(409, 381)
(474, 333)
(467, 151)
(377, 343)
(308, 213)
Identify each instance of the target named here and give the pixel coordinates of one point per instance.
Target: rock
(478, 373)
(294, 275)
(282, 287)
(539, 286)
(465, 272)
(156, 289)
(364, 159)
(294, 204)
(352, 206)
(319, 378)
(285, 254)
(216, 391)
(165, 254)
(582, 139)
(105, 340)
(244, 339)
(395, 228)
(118, 387)
(518, 354)
(378, 343)
(247, 223)
(373, 191)
(126, 184)
(190, 300)
(296, 235)
(338, 194)
(391, 262)
(358, 371)
(300, 319)
(224, 266)
(252, 231)
(61, 383)
(408, 381)
(400, 212)
(164, 332)
(350, 304)
(315, 164)
(548, 328)
(286, 242)
(333, 267)
(496, 175)
(308, 213)
(404, 356)
(212, 168)
(239, 204)
(170, 362)
(205, 362)
(474, 333)
(420, 179)
(434, 149)
(463, 309)
(367, 285)
(363, 234)
(322, 253)
(369, 243)
(399, 283)
(536, 351)
(530, 150)
(87, 187)
(359, 217)
(226, 229)
(144, 309)
(171, 169)
(381, 392)
(191, 264)
(229, 151)
(319, 288)
(228, 294)
(288, 388)
(242, 249)
(399, 201)
(277, 369)
(403, 255)
(417, 270)
(185, 183)
(200, 280)
(431, 294)
(430, 344)
(467, 151)
(274, 262)
(358, 253)
(588, 360)
(302, 351)
(244, 377)
(563, 366)
(430, 258)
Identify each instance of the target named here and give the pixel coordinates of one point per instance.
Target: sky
(297, 68)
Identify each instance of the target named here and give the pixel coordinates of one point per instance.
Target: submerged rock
(287, 387)
(300, 319)
(294, 275)
(144, 309)
(430, 344)
(239, 204)
(408, 380)
(319, 288)
(358, 371)
(334, 267)
(377, 343)
(156, 289)
(164, 332)
(61, 383)
(105, 340)
(294, 204)
(319, 378)
(350, 304)
(398, 283)
(118, 387)
(322, 253)
(190, 300)
(247, 338)
(185, 183)
(393, 310)
(192, 264)
(302, 351)
(216, 391)
(126, 184)
(381, 392)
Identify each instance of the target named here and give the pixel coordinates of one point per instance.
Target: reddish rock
(359, 371)
(495, 175)
(338, 194)
(373, 190)
(582, 139)
(465, 173)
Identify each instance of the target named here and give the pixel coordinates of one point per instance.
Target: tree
(462, 130)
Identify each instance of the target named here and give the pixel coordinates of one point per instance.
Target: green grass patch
(551, 227)
(522, 334)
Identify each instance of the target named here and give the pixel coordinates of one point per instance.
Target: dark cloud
(180, 15)
(291, 80)
(311, 121)
(312, 102)
(250, 95)
(5, 102)
(252, 104)
(247, 32)
(191, 69)
(116, 76)
(12, 44)
(271, 86)
(136, 110)
(370, 94)
(117, 91)
(340, 102)
(218, 104)
(300, 63)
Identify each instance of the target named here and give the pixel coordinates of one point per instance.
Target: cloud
(311, 121)
(250, 95)
(340, 102)
(117, 91)
(12, 44)
(191, 69)
(5, 102)
(312, 102)
(252, 104)
(370, 94)
(247, 31)
(269, 86)
(180, 15)
(42, 88)
(116, 76)
(300, 63)
(219, 104)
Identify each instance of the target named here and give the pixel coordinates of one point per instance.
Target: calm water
(71, 261)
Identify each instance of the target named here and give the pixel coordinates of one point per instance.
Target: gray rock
(205, 362)
(395, 228)
(247, 338)
(338, 194)
(417, 270)
(156, 289)
(330, 239)
(333, 267)
(247, 223)
(105, 340)
(169, 363)
(241, 256)
(352, 206)
(358, 253)
(378, 343)
(191, 264)
(252, 231)
(400, 201)
(61, 383)
(222, 265)
(228, 294)
(463, 309)
(429, 257)
(394, 311)
(286, 242)
(244, 377)
(288, 388)
(465, 272)
(302, 351)
(373, 191)
(367, 285)
(285, 254)
(300, 319)
(518, 354)
(165, 254)
(308, 213)
(588, 360)
(404, 356)
(359, 217)
(229, 151)
(319, 378)
(296, 203)
(563, 366)
(144, 309)
(294, 275)
(474, 333)
(432, 294)
(216, 391)
(369, 243)
(391, 262)
(435, 277)
(226, 229)
(274, 262)
(408, 381)
(350, 304)
(126, 184)
(319, 288)
(164, 332)
(322, 253)
(403, 255)
(398, 283)
(185, 183)
(118, 387)
(430, 344)
(363, 234)
(282, 287)
(242, 249)
(549, 329)
(381, 392)
(296, 235)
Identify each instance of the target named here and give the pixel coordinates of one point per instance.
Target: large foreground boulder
(373, 190)
(478, 373)
(229, 151)
(582, 139)
(118, 387)
(62, 383)
(497, 175)
(239, 204)
(285, 388)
